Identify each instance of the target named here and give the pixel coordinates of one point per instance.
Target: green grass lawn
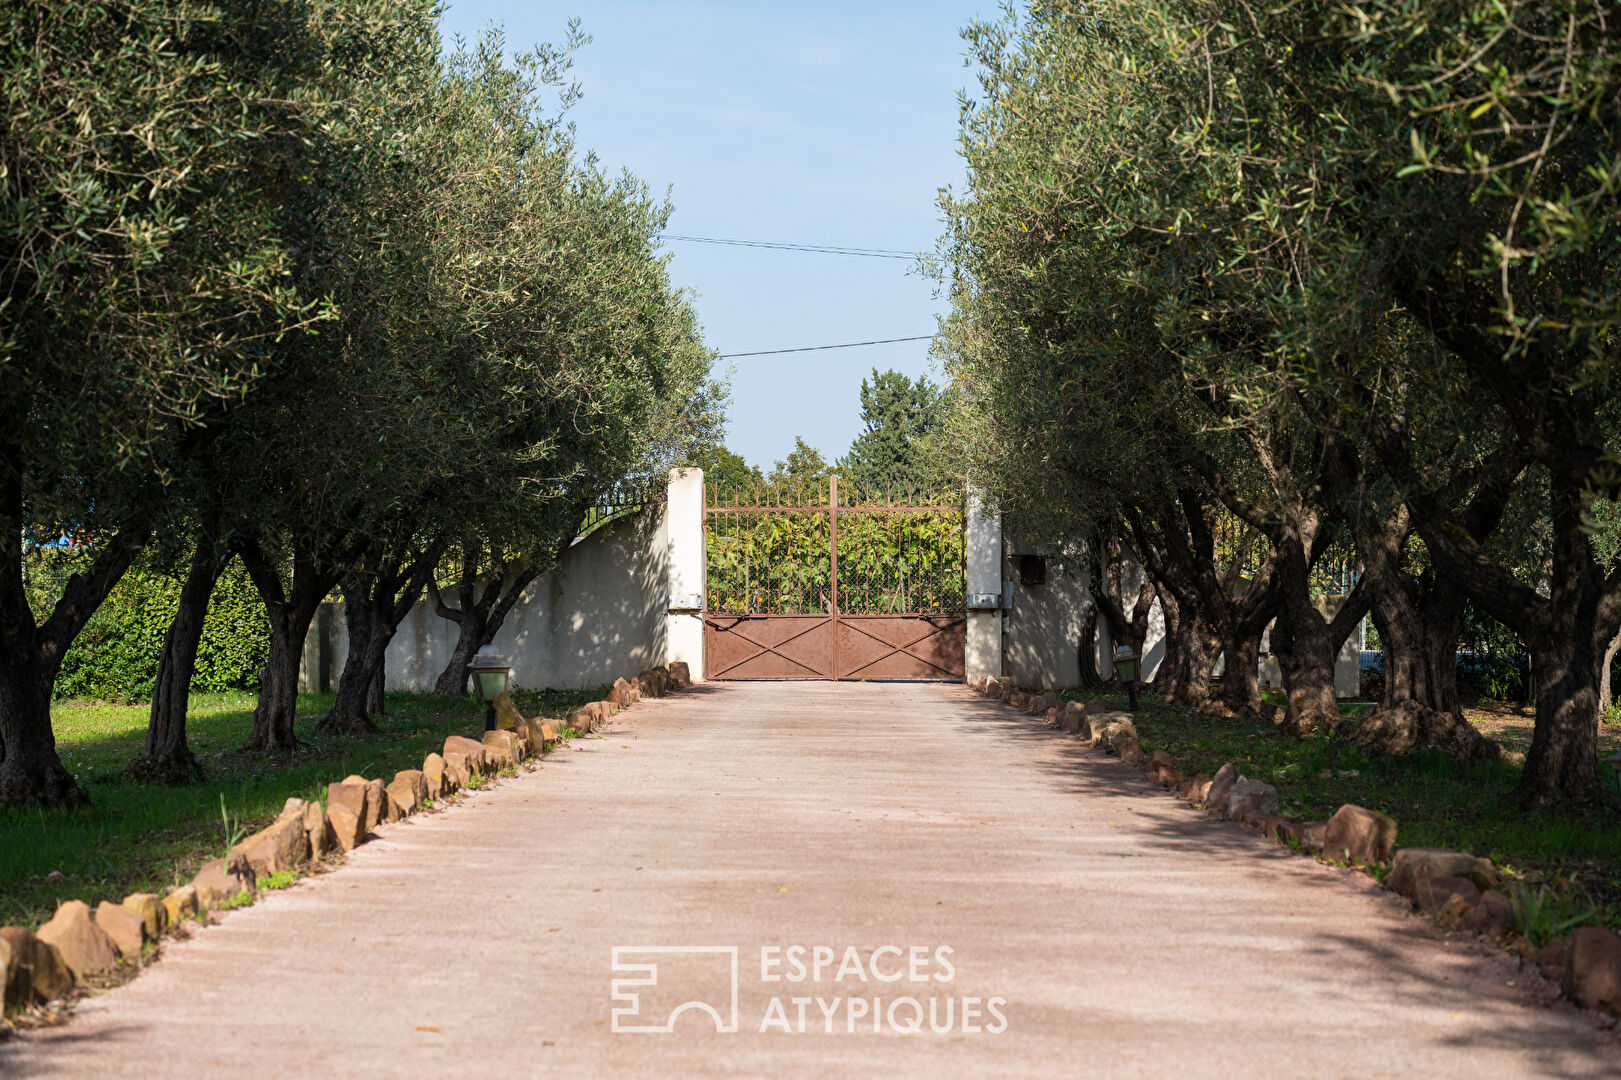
(135, 838)
(1436, 803)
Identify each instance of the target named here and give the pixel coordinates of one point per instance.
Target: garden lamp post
(1615, 765)
(1125, 669)
(491, 672)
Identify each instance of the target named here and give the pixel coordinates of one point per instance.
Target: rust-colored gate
(804, 586)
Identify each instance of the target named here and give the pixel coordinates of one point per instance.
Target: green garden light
(1125, 669)
(491, 673)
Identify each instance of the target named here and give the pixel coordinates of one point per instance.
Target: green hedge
(115, 657)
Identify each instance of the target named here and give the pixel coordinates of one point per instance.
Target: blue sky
(830, 123)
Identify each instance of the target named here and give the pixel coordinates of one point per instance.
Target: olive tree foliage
(1375, 241)
(320, 460)
(587, 364)
(145, 285)
(509, 348)
(1497, 236)
(1072, 412)
(283, 276)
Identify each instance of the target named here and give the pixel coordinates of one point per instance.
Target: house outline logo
(627, 995)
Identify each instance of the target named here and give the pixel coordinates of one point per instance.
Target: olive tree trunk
(166, 758)
(289, 611)
(1179, 545)
(351, 712)
(1418, 614)
(483, 603)
(1127, 609)
(1307, 646)
(376, 601)
(31, 773)
(1568, 632)
(1605, 697)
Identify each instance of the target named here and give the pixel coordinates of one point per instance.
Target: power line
(820, 348)
(814, 249)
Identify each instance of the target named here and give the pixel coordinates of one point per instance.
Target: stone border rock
(79, 945)
(1455, 889)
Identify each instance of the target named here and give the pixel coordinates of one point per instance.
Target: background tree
(895, 450)
(724, 470)
(803, 469)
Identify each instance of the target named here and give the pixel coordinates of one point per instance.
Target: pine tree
(900, 416)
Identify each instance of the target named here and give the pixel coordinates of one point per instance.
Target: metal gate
(804, 586)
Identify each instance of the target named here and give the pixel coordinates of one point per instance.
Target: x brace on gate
(943, 672)
(783, 602)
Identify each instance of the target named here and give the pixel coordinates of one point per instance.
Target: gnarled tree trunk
(289, 612)
(351, 712)
(1570, 634)
(1127, 609)
(375, 691)
(1303, 641)
(1173, 665)
(1605, 696)
(167, 759)
(1420, 705)
(1307, 647)
(376, 601)
(31, 773)
(482, 608)
(1231, 613)
(1559, 426)
(1568, 631)
(1240, 670)
(1418, 616)
(1561, 765)
(1191, 649)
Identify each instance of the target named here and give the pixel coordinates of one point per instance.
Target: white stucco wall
(604, 611)
(620, 601)
(683, 538)
(1042, 623)
(982, 642)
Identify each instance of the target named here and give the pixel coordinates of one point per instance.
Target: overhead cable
(820, 348)
(814, 249)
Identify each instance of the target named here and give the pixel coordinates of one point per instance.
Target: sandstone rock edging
(77, 942)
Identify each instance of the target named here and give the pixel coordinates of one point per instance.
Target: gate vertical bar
(833, 569)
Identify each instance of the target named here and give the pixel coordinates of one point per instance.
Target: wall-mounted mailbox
(687, 602)
(984, 601)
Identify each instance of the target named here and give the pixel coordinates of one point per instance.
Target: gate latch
(687, 602)
(984, 601)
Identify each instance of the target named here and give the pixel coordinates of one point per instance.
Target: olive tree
(1376, 236)
(146, 281)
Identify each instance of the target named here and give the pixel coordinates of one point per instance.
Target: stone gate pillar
(684, 553)
(983, 566)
